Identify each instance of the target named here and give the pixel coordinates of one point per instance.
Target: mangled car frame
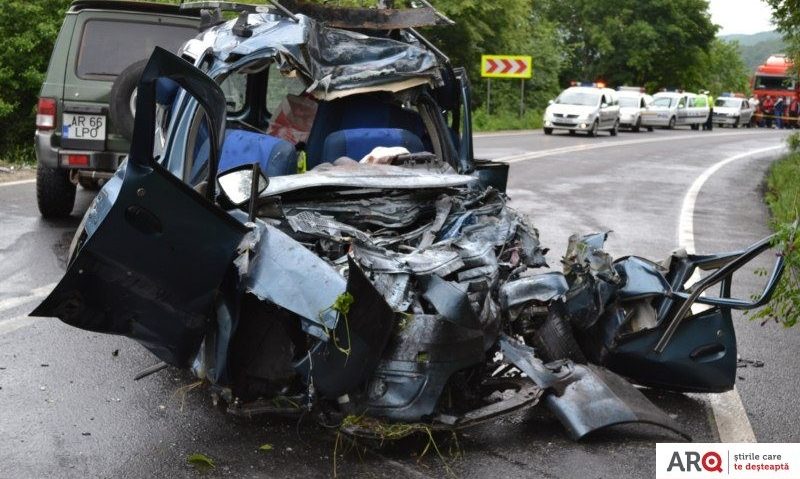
(301, 223)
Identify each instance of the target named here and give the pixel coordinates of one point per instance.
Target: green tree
(511, 27)
(28, 29)
(721, 69)
(786, 15)
(635, 42)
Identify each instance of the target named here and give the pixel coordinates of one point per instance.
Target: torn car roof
(335, 62)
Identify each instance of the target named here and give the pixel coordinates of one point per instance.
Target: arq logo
(691, 461)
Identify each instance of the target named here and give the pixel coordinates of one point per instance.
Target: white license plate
(80, 126)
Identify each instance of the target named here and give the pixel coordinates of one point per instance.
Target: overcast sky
(741, 16)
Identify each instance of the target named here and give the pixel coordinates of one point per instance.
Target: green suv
(84, 118)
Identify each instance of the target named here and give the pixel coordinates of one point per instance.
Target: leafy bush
(783, 198)
(482, 121)
(28, 29)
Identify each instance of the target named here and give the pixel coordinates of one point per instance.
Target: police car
(732, 110)
(676, 108)
(632, 102)
(586, 107)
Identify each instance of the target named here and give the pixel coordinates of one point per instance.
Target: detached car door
(152, 253)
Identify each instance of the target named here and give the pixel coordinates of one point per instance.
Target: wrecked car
(301, 222)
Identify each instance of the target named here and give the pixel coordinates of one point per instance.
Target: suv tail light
(46, 114)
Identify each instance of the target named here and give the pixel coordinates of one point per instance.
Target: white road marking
(730, 415)
(532, 155)
(35, 294)
(11, 325)
(15, 183)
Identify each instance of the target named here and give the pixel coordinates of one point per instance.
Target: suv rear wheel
(55, 194)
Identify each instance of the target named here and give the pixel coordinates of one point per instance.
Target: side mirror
(243, 184)
(604, 105)
(550, 102)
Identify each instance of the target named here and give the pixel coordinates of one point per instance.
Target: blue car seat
(357, 112)
(276, 157)
(358, 142)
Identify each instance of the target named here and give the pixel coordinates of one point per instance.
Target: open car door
(152, 252)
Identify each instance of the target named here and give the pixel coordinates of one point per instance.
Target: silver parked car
(733, 111)
(632, 102)
(670, 109)
(583, 108)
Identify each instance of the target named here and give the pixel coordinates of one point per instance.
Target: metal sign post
(488, 96)
(506, 66)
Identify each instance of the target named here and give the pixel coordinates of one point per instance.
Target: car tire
(615, 129)
(736, 123)
(637, 127)
(55, 194)
(697, 127)
(548, 131)
(120, 105)
(650, 128)
(671, 125)
(593, 130)
(554, 340)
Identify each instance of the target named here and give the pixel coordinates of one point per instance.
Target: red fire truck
(775, 78)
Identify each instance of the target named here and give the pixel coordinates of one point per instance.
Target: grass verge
(504, 120)
(783, 199)
(783, 184)
(18, 156)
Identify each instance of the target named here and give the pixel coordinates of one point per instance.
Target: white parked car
(670, 109)
(632, 102)
(583, 108)
(732, 111)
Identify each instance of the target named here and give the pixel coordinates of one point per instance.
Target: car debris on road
(394, 285)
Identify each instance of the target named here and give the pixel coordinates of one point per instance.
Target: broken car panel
(376, 269)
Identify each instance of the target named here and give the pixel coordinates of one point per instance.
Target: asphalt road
(69, 406)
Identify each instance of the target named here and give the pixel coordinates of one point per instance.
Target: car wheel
(554, 340)
(696, 127)
(55, 194)
(615, 129)
(736, 123)
(593, 131)
(671, 124)
(650, 128)
(122, 99)
(638, 126)
(548, 131)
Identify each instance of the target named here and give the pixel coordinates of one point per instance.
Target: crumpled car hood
(365, 176)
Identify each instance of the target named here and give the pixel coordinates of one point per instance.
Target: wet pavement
(69, 406)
